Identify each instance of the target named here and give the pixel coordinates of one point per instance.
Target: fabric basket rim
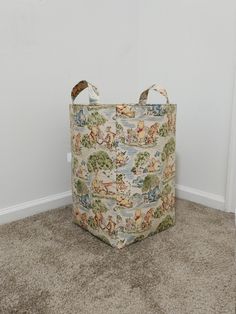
(122, 104)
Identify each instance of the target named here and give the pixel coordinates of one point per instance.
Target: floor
(50, 265)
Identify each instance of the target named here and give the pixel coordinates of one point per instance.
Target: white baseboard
(30, 208)
(201, 197)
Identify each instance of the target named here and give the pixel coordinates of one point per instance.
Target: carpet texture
(50, 265)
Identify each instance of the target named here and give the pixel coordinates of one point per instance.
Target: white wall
(47, 47)
(122, 47)
(190, 47)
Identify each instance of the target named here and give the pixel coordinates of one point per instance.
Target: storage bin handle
(93, 92)
(143, 97)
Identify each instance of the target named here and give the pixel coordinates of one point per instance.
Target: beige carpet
(49, 265)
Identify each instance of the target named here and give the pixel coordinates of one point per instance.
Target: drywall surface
(46, 48)
(190, 47)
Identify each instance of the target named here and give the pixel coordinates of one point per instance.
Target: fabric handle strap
(93, 92)
(143, 97)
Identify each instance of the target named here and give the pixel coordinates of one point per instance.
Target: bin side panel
(93, 169)
(145, 170)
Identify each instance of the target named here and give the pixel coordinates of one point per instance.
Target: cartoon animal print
(129, 224)
(121, 185)
(84, 220)
(153, 165)
(110, 138)
(169, 171)
(81, 170)
(139, 222)
(124, 201)
(131, 136)
(99, 220)
(121, 158)
(94, 135)
(76, 142)
(168, 202)
(171, 122)
(102, 188)
(111, 226)
(77, 214)
(147, 220)
(125, 111)
(93, 122)
(142, 134)
(81, 218)
(140, 131)
(152, 133)
(138, 219)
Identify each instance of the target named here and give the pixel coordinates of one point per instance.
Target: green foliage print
(119, 177)
(170, 108)
(91, 223)
(95, 119)
(120, 132)
(168, 149)
(150, 182)
(140, 160)
(86, 141)
(139, 238)
(119, 128)
(98, 206)
(163, 131)
(81, 187)
(99, 161)
(157, 213)
(165, 224)
(74, 164)
(166, 190)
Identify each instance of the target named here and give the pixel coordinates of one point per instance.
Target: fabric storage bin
(123, 166)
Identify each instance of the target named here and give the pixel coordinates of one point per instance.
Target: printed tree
(81, 187)
(163, 131)
(170, 108)
(99, 161)
(120, 177)
(140, 160)
(120, 132)
(119, 128)
(86, 141)
(74, 164)
(166, 190)
(167, 222)
(91, 222)
(168, 150)
(95, 119)
(151, 181)
(98, 206)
